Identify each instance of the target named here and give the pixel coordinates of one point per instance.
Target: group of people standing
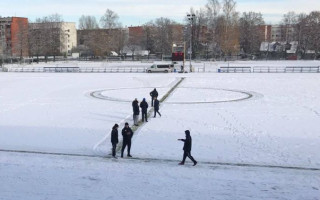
(144, 107)
(127, 132)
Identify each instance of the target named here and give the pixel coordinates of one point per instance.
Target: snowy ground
(264, 147)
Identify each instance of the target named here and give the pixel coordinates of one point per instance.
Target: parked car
(159, 68)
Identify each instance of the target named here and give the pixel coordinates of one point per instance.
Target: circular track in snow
(199, 95)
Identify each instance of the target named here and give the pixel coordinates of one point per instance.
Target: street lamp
(190, 18)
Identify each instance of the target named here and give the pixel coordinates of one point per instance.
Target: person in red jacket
(187, 149)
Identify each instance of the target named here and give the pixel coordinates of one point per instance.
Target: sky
(138, 12)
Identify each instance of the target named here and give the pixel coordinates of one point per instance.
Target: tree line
(217, 30)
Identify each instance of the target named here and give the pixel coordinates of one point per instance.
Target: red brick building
(14, 37)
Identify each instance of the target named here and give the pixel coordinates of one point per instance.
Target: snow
(260, 147)
(33, 177)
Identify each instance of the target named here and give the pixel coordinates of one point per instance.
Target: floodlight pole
(190, 18)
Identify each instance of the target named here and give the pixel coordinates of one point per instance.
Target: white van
(159, 68)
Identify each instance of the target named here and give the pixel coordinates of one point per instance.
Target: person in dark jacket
(156, 107)
(114, 139)
(187, 148)
(144, 109)
(127, 134)
(136, 112)
(153, 94)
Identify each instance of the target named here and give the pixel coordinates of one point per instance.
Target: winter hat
(144, 99)
(187, 132)
(126, 123)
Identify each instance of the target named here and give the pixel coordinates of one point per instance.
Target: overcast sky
(138, 12)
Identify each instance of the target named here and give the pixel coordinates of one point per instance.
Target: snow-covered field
(255, 136)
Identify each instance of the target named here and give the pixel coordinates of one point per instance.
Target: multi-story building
(52, 38)
(14, 37)
(70, 33)
(265, 32)
(282, 33)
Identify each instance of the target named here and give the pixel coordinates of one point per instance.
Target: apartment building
(70, 36)
(52, 38)
(14, 37)
(282, 33)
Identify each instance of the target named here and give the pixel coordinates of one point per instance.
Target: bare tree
(163, 35)
(213, 8)
(110, 20)
(250, 34)
(227, 26)
(47, 36)
(148, 39)
(88, 22)
(302, 34)
(288, 26)
(313, 34)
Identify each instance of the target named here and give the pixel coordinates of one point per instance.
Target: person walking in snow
(136, 112)
(153, 94)
(127, 134)
(114, 139)
(156, 107)
(187, 149)
(144, 109)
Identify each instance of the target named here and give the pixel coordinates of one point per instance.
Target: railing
(234, 70)
(112, 70)
(269, 69)
(302, 69)
(79, 69)
(61, 69)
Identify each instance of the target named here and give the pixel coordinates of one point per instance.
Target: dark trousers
(187, 154)
(144, 116)
(124, 144)
(156, 111)
(114, 147)
(152, 101)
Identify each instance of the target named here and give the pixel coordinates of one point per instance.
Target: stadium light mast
(191, 17)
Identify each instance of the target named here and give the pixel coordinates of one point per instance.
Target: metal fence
(78, 69)
(264, 69)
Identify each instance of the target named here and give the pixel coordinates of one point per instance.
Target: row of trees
(306, 30)
(216, 30)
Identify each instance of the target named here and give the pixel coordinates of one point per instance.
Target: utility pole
(190, 18)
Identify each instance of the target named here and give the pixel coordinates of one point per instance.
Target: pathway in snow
(159, 160)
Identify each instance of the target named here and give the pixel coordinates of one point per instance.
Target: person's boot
(129, 155)
(121, 154)
(195, 163)
(181, 163)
